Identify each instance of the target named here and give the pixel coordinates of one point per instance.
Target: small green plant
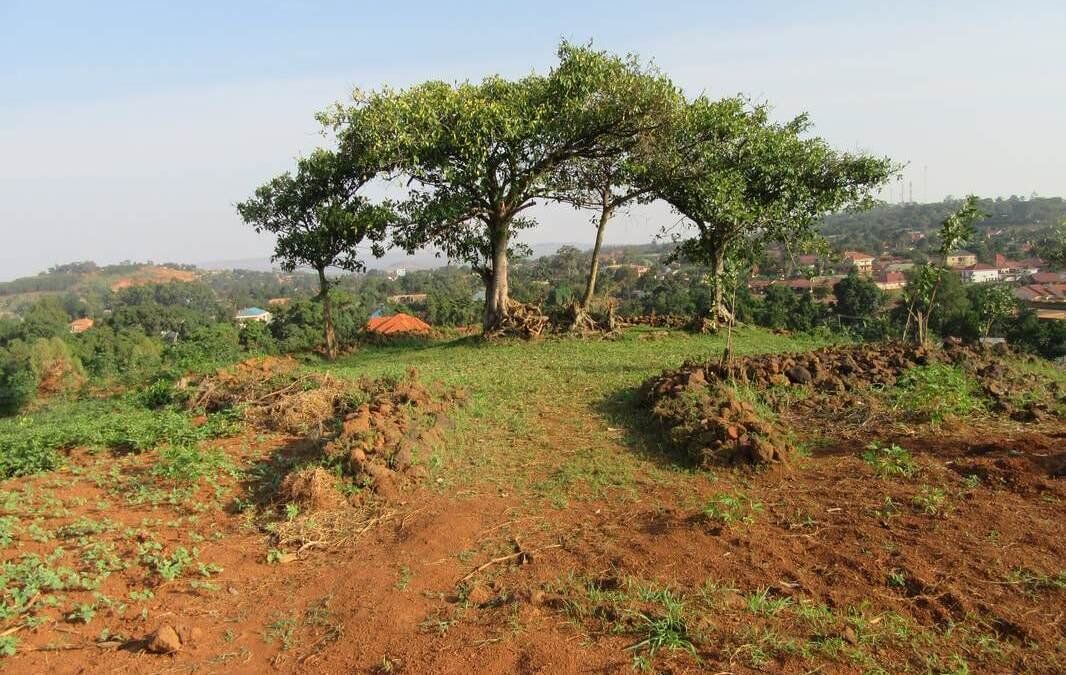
(729, 508)
(972, 481)
(188, 464)
(897, 579)
(761, 602)
(9, 644)
(929, 500)
(890, 461)
(936, 392)
(282, 629)
(292, 510)
(83, 613)
(666, 631)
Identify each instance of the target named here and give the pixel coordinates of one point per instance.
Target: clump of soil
(704, 407)
(313, 489)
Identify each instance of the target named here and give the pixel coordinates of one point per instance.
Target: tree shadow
(643, 434)
(261, 481)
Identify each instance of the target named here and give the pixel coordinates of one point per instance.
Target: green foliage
(478, 154)
(668, 630)
(188, 463)
(857, 297)
(742, 181)
(730, 508)
(889, 461)
(319, 218)
(203, 350)
(930, 500)
(993, 303)
(8, 645)
(36, 443)
(937, 391)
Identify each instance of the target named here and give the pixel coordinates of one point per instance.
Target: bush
(18, 383)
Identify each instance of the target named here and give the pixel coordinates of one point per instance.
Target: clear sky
(129, 129)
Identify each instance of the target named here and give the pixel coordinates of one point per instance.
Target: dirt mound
(369, 428)
(712, 412)
(312, 489)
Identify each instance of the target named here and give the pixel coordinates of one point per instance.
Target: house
(960, 259)
(890, 280)
(1051, 296)
(277, 302)
(407, 299)
(1011, 270)
(252, 314)
(81, 325)
(979, 273)
(863, 263)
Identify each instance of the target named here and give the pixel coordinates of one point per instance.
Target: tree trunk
(594, 268)
(496, 289)
(327, 314)
(719, 313)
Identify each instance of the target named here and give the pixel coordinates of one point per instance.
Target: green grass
(729, 508)
(890, 461)
(529, 399)
(936, 392)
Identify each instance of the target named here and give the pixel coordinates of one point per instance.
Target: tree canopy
(477, 155)
(741, 180)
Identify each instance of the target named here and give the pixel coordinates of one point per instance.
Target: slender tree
(611, 183)
(320, 220)
(924, 281)
(477, 156)
(741, 181)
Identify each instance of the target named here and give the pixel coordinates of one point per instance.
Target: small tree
(741, 181)
(857, 298)
(476, 156)
(993, 303)
(320, 220)
(924, 281)
(611, 183)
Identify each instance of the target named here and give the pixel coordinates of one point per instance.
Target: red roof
(396, 324)
(1048, 277)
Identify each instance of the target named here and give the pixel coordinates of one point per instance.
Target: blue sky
(129, 129)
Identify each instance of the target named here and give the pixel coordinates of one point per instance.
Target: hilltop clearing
(542, 521)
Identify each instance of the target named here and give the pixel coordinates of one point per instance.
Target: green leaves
(316, 213)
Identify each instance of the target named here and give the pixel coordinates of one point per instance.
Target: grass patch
(890, 461)
(936, 392)
(33, 443)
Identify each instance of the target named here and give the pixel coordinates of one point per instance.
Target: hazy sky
(129, 129)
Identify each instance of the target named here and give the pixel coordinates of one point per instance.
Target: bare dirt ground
(574, 548)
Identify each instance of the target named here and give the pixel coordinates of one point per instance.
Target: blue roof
(252, 311)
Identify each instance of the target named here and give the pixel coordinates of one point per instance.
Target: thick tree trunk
(327, 315)
(496, 288)
(594, 267)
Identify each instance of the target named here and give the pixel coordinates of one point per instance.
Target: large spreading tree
(476, 156)
(320, 220)
(742, 181)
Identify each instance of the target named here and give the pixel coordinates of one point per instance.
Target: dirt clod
(164, 640)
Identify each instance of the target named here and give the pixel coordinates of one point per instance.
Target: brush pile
(521, 320)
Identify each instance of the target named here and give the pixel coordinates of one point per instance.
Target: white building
(979, 274)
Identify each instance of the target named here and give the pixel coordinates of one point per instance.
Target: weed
(897, 579)
(890, 461)
(667, 631)
(188, 464)
(83, 613)
(726, 508)
(404, 579)
(282, 629)
(9, 644)
(936, 392)
(930, 500)
(761, 602)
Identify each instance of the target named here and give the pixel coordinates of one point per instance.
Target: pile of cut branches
(521, 320)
